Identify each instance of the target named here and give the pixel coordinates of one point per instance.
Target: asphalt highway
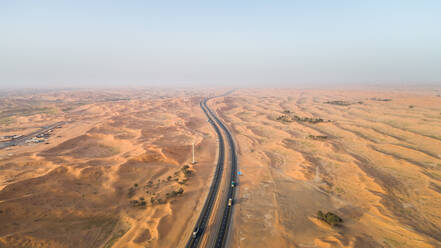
(22, 139)
(204, 217)
(221, 234)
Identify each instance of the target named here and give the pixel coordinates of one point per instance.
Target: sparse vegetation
(381, 99)
(138, 203)
(186, 170)
(149, 184)
(318, 137)
(287, 118)
(131, 192)
(330, 218)
(339, 103)
(284, 118)
(174, 193)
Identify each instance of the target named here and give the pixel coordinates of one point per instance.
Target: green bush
(330, 218)
(131, 192)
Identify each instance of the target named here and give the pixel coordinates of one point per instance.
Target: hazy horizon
(222, 44)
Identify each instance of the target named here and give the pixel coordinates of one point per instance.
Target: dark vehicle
(195, 233)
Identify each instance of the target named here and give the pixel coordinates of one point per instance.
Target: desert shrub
(169, 178)
(188, 173)
(320, 215)
(381, 99)
(284, 118)
(180, 191)
(186, 170)
(131, 192)
(318, 137)
(136, 185)
(171, 194)
(330, 218)
(333, 219)
(149, 184)
(136, 203)
(340, 103)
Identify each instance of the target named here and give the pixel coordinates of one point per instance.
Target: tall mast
(193, 154)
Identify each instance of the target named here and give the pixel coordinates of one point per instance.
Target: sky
(248, 43)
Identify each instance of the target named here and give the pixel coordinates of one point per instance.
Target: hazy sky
(228, 43)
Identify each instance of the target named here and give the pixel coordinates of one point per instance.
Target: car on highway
(195, 232)
(233, 184)
(230, 202)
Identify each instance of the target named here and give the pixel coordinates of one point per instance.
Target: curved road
(222, 233)
(209, 202)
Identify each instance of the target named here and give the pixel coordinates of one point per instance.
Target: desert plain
(118, 171)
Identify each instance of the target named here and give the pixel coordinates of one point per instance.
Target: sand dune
(79, 190)
(378, 167)
(116, 175)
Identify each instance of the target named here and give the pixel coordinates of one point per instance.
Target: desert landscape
(217, 124)
(116, 171)
(373, 157)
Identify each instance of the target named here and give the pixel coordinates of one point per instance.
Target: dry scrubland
(376, 163)
(113, 176)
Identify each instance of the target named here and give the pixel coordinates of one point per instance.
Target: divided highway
(22, 139)
(228, 210)
(201, 224)
(209, 202)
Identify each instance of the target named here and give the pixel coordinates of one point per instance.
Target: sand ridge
(78, 190)
(377, 167)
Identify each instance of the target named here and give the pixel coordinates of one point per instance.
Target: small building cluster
(40, 138)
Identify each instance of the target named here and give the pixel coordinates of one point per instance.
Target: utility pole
(193, 155)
